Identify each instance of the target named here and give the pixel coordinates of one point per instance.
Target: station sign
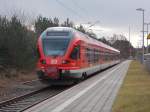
(148, 37)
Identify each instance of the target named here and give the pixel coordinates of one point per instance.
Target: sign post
(148, 37)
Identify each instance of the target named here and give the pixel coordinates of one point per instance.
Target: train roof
(73, 31)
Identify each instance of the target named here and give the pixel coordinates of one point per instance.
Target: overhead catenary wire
(83, 10)
(68, 8)
(79, 7)
(72, 11)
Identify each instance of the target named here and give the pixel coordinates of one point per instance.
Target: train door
(75, 55)
(83, 56)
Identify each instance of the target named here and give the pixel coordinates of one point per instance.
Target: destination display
(57, 33)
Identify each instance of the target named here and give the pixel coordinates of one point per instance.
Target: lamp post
(147, 35)
(129, 43)
(142, 10)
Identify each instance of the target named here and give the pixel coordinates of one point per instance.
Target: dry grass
(134, 95)
(8, 79)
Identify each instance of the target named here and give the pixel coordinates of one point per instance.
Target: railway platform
(96, 94)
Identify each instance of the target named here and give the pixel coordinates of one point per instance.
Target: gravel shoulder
(15, 86)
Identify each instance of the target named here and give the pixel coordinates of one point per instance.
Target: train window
(106, 56)
(55, 47)
(92, 56)
(75, 53)
(88, 54)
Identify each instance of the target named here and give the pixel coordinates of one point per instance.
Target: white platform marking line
(69, 101)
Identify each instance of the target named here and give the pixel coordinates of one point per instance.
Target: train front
(53, 49)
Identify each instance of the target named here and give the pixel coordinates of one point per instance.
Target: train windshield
(55, 47)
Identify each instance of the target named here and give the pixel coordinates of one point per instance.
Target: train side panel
(82, 56)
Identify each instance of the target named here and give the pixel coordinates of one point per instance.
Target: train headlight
(63, 71)
(43, 61)
(65, 62)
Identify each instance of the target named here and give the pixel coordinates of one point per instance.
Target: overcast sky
(115, 16)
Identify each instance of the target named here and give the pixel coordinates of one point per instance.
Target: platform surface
(96, 94)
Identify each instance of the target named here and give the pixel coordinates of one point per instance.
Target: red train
(66, 54)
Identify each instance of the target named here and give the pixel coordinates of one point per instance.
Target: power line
(73, 11)
(68, 8)
(81, 8)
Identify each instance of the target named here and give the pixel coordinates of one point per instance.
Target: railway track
(23, 102)
(20, 89)
(31, 82)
